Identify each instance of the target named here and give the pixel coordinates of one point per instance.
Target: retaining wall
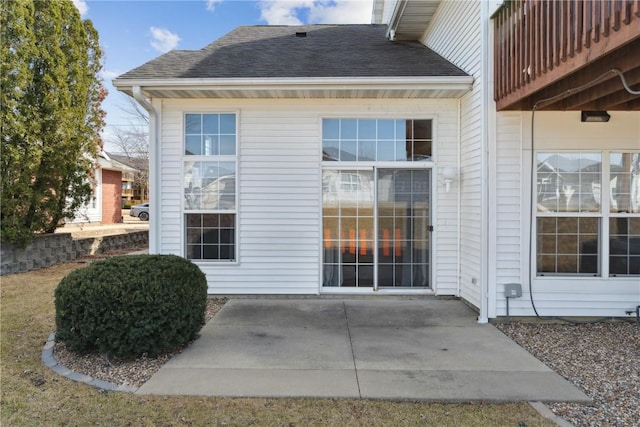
(51, 249)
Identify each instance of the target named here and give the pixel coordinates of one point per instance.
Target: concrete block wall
(50, 249)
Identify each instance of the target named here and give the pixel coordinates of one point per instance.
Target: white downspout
(459, 205)
(398, 10)
(154, 170)
(485, 230)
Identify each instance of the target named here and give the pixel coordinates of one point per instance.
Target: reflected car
(141, 211)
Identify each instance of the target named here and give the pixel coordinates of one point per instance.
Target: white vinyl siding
(461, 44)
(279, 188)
(91, 212)
(511, 213)
(171, 187)
(446, 257)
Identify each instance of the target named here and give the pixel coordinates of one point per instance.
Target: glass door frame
(374, 167)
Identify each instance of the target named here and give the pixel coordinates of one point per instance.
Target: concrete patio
(399, 349)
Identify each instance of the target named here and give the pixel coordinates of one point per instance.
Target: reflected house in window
(571, 210)
(212, 189)
(568, 183)
(347, 188)
(370, 140)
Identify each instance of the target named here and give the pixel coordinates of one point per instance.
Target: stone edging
(543, 410)
(49, 359)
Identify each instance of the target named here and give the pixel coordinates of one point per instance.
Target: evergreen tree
(50, 114)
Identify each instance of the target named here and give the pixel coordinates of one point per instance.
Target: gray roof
(277, 51)
(133, 163)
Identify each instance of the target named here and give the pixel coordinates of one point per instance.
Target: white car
(141, 211)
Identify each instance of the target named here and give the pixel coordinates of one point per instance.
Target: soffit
(434, 87)
(412, 17)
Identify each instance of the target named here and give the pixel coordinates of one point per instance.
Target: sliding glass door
(403, 225)
(376, 228)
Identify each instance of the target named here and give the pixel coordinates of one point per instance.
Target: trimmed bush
(131, 305)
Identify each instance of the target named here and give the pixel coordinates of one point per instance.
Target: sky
(133, 32)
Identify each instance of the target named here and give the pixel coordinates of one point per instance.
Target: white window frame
(427, 164)
(603, 215)
(209, 158)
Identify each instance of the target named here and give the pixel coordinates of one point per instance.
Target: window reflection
(625, 182)
(569, 182)
(351, 211)
(210, 185)
(210, 134)
(368, 140)
(573, 226)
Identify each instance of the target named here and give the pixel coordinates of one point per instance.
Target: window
(376, 203)
(624, 214)
(211, 236)
(210, 186)
(368, 140)
(579, 221)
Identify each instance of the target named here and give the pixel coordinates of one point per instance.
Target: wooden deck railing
(538, 42)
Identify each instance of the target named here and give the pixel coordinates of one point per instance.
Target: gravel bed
(602, 359)
(132, 373)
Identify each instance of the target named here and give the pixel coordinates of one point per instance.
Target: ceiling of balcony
(594, 86)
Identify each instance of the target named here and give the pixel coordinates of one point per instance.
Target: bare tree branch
(133, 142)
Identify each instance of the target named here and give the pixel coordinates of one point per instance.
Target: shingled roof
(299, 51)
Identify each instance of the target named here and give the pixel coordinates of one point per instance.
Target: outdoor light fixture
(595, 116)
(448, 174)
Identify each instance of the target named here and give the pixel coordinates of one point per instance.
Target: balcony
(561, 55)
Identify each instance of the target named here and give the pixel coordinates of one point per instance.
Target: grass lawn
(33, 395)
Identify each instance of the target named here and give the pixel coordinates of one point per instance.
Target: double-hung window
(588, 214)
(209, 185)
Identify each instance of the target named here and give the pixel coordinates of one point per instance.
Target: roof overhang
(107, 163)
(326, 87)
(411, 18)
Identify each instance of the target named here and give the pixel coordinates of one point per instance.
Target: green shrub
(131, 305)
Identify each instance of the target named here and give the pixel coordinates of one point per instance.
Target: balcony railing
(538, 42)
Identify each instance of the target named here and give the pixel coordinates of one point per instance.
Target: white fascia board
(326, 83)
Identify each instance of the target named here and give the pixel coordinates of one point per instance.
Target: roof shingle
(277, 52)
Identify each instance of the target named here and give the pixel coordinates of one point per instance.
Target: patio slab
(421, 349)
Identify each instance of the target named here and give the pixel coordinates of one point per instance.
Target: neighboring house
(371, 159)
(106, 205)
(135, 181)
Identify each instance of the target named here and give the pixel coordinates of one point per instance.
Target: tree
(133, 143)
(50, 116)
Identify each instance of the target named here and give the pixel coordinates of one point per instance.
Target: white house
(386, 159)
(106, 205)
